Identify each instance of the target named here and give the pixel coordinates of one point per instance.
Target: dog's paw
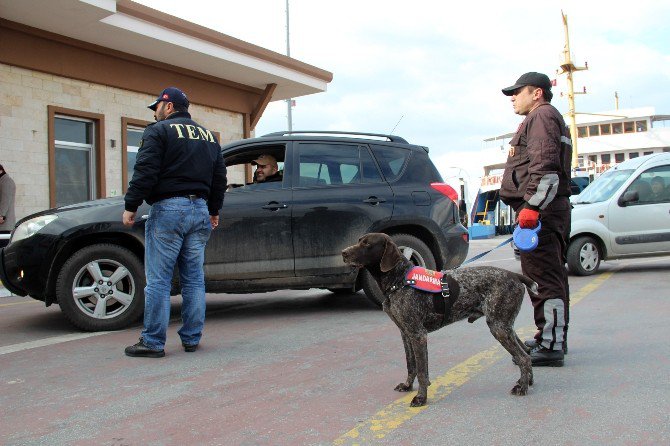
(402, 387)
(519, 390)
(418, 401)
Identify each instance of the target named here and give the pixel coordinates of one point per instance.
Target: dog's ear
(391, 256)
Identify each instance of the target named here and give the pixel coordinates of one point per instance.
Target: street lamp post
(289, 101)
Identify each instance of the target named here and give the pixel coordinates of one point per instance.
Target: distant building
(76, 77)
(603, 140)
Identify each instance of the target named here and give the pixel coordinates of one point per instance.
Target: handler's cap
(535, 79)
(264, 160)
(170, 94)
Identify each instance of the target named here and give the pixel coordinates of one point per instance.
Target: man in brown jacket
(536, 183)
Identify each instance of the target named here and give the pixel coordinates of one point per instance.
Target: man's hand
(2, 219)
(214, 220)
(128, 218)
(528, 218)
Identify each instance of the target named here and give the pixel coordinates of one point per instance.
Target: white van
(624, 213)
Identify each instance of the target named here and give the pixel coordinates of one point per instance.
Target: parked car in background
(578, 184)
(279, 235)
(619, 215)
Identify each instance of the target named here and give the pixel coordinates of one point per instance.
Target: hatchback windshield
(604, 186)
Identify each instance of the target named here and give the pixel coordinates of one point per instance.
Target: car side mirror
(630, 196)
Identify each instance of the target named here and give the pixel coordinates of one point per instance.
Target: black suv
(274, 235)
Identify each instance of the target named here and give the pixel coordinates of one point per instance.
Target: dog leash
(479, 256)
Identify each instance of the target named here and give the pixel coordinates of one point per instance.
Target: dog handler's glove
(528, 218)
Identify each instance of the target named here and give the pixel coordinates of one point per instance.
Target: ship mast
(569, 67)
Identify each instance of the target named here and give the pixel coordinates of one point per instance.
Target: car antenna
(396, 125)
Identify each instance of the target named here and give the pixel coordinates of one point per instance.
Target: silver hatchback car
(624, 213)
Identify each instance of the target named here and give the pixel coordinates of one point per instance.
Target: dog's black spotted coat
(486, 291)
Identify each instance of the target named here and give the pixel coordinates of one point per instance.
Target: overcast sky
(437, 67)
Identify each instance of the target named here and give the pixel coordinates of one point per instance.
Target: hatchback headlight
(30, 227)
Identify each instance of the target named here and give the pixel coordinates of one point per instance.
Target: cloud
(440, 65)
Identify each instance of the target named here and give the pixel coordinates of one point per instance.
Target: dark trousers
(546, 266)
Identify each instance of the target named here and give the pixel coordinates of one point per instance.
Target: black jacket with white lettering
(177, 157)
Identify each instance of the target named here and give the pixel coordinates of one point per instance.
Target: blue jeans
(175, 233)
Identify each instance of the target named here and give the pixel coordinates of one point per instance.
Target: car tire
(584, 256)
(120, 277)
(412, 248)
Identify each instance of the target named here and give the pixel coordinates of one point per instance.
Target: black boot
(142, 350)
(189, 347)
(530, 343)
(543, 357)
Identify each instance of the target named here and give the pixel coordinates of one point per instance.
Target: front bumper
(10, 276)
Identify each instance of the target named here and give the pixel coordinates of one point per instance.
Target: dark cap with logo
(170, 94)
(535, 79)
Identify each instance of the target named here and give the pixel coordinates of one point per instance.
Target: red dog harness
(443, 288)
(426, 280)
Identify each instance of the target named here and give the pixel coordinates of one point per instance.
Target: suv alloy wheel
(101, 287)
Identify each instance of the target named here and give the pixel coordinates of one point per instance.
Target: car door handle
(374, 200)
(274, 206)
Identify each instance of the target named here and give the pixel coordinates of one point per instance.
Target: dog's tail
(530, 284)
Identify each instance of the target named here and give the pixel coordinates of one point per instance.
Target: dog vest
(444, 288)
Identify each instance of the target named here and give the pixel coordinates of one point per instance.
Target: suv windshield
(604, 186)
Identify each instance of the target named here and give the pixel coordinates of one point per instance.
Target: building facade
(73, 105)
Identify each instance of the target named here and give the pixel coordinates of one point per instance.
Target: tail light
(447, 190)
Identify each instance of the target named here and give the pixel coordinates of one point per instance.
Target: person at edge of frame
(7, 201)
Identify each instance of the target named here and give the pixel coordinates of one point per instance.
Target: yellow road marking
(397, 413)
(590, 287)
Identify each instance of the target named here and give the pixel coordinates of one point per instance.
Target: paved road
(311, 367)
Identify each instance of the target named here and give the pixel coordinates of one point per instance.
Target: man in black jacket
(181, 173)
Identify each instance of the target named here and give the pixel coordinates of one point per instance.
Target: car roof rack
(392, 138)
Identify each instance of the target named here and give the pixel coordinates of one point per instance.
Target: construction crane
(569, 67)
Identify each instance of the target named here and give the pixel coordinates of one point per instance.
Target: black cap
(170, 94)
(535, 79)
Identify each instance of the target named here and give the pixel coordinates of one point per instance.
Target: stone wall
(24, 97)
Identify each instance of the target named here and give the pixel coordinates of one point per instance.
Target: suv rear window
(322, 164)
(391, 160)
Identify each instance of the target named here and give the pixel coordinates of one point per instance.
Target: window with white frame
(133, 140)
(74, 160)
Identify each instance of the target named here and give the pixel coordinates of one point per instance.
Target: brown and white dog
(486, 291)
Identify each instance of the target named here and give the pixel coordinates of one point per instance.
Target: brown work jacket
(539, 161)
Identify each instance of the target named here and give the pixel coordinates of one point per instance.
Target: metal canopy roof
(135, 29)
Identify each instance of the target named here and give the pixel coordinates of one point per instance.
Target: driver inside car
(267, 169)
